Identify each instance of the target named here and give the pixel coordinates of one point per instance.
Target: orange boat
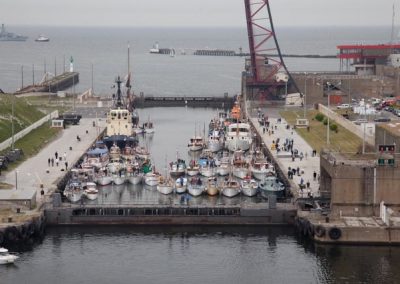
(236, 112)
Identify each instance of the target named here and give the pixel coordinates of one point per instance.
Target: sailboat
(172, 52)
(165, 184)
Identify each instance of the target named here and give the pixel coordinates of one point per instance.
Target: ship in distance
(6, 36)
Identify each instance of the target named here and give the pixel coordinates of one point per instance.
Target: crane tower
(267, 75)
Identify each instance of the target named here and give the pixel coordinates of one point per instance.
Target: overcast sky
(181, 13)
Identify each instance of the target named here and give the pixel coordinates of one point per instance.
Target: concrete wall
(357, 190)
(350, 126)
(7, 143)
(385, 137)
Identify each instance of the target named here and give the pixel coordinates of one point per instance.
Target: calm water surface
(196, 255)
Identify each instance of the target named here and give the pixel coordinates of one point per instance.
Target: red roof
(371, 46)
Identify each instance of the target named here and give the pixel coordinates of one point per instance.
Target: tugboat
(119, 123)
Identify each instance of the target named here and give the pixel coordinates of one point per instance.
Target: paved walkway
(36, 171)
(308, 165)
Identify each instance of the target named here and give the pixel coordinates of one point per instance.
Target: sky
(194, 13)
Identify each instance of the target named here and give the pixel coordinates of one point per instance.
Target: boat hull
(104, 180)
(195, 190)
(230, 191)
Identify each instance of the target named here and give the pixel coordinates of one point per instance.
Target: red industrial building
(365, 58)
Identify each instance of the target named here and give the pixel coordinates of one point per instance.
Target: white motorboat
(193, 169)
(155, 49)
(90, 190)
(42, 38)
(212, 187)
(272, 186)
(207, 171)
(181, 184)
(135, 177)
(177, 168)
(238, 137)
(115, 165)
(6, 257)
(195, 186)
(196, 143)
(151, 178)
(119, 178)
(165, 185)
(215, 141)
(73, 191)
(249, 187)
(260, 167)
(224, 168)
(104, 179)
(96, 158)
(230, 188)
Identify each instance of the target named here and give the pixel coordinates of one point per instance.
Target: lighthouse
(71, 64)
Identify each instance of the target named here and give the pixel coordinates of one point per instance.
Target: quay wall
(225, 102)
(350, 126)
(169, 215)
(7, 143)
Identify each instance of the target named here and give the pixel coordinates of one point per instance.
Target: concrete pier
(55, 84)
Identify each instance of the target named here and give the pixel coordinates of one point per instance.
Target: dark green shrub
(319, 117)
(325, 122)
(333, 127)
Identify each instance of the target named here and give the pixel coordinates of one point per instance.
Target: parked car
(382, 119)
(343, 106)
(360, 121)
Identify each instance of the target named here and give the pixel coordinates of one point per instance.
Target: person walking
(52, 162)
(315, 175)
(56, 155)
(66, 165)
(65, 156)
(48, 161)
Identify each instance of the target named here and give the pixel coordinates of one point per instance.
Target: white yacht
(196, 143)
(238, 137)
(73, 191)
(90, 191)
(6, 257)
(196, 186)
(230, 188)
(215, 141)
(165, 185)
(151, 178)
(249, 187)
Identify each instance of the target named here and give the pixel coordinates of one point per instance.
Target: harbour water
(196, 255)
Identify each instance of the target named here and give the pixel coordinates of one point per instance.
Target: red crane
(263, 43)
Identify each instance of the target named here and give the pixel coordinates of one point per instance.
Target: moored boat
(249, 187)
(90, 190)
(165, 185)
(212, 187)
(193, 169)
(230, 188)
(195, 186)
(73, 191)
(271, 185)
(196, 143)
(6, 257)
(151, 178)
(238, 137)
(181, 184)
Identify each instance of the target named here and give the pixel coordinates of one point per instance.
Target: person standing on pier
(66, 165)
(56, 155)
(315, 175)
(48, 161)
(52, 162)
(65, 156)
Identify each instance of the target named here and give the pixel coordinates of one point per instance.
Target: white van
(343, 106)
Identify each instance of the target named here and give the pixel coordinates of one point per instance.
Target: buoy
(335, 233)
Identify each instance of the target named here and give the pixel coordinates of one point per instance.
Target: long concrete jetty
(55, 84)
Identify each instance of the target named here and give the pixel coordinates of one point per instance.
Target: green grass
(343, 141)
(33, 142)
(24, 115)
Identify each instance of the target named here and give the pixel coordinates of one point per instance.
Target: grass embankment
(24, 115)
(33, 142)
(342, 141)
